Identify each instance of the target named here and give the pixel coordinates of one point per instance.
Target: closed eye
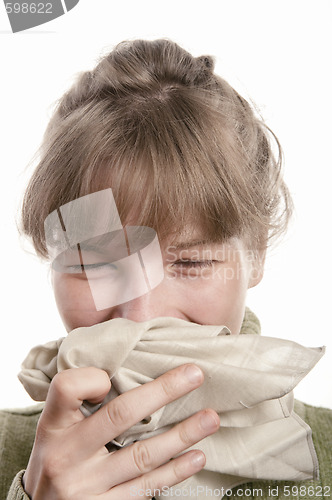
(193, 263)
(98, 266)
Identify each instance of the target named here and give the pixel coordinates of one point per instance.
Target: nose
(156, 303)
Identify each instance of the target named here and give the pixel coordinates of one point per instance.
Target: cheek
(74, 302)
(218, 300)
(70, 292)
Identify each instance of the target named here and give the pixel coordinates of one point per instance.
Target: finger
(133, 406)
(145, 456)
(160, 480)
(68, 390)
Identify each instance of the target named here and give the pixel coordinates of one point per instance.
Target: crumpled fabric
(248, 380)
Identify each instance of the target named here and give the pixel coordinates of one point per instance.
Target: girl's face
(204, 283)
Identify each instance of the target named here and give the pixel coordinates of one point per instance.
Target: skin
(204, 283)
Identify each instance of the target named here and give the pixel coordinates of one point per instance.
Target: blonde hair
(177, 144)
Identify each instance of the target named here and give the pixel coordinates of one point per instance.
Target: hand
(69, 460)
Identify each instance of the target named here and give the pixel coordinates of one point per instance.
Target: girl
(152, 138)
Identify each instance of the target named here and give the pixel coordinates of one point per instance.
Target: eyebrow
(194, 243)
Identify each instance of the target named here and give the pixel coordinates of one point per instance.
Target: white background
(276, 51)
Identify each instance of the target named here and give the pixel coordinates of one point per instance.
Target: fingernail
(208, 421)
(198, 460)
(193, 374)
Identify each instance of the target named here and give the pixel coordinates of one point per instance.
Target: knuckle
(61, 384)
(178, 472)
(117, 412)
(142, 457)
(148, 485)
(184, 435)
(169, 384)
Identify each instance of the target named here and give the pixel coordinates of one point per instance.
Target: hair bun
(207, 62)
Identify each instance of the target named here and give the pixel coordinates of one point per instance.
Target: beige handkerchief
(248, 381)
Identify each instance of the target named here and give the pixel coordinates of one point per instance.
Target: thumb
(67, 392)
